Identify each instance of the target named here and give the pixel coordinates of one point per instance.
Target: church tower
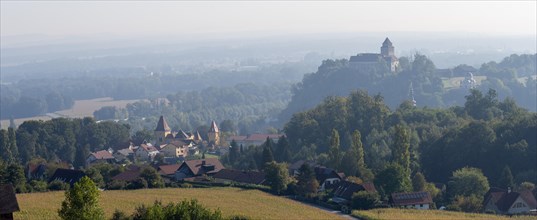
(214, 134)
(162, 130)
(387, 49)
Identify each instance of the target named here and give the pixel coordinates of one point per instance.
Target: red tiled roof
(411, 198)
(250, 177)
(132, 173)
(236, 138)
(148, 148)
(168, 169)
(262, 137)
(197, 167)
(102, 155)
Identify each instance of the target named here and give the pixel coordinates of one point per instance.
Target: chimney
(508, 189)
(203, 162)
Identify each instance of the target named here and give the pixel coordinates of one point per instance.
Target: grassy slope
(411, 214)
(231, 201)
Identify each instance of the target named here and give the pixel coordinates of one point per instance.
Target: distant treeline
(32, 97)
(247, 105)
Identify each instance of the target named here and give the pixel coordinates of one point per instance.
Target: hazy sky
(125, 18)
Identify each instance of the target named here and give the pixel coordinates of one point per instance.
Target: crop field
(411, 214)
(81, 108)
(455, 82)
(231, 201)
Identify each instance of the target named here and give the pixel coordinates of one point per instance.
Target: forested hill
(512, 77)
(486, 133)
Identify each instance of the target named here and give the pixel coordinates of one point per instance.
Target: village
(176, 158)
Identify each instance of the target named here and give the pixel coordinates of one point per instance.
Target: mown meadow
(411, 214)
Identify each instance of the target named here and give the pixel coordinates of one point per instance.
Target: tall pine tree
(267, 152)
(283, 153)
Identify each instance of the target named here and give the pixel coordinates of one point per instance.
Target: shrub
(183, 210)
(38, 186)
(117, 184)
(364, 200)
(57, 185)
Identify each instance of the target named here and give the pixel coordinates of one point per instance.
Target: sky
(128, 18)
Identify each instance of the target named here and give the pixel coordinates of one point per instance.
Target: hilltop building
(367, 60)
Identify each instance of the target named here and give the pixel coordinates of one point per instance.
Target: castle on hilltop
(366, 60)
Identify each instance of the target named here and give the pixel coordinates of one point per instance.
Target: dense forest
(36, 96)
(512, 77)
(248, 105)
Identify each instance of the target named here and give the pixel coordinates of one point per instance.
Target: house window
(519, 205)
(421, 205)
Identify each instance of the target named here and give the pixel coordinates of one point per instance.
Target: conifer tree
(506, 179)
(267, 152)
(283, 152)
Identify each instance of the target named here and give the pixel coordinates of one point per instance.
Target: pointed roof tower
(387, 42)
(214, 127)
(162, 125)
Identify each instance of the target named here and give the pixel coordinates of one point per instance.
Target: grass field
(411, 214)
(455, 82)
(81, 108)
(231, 201)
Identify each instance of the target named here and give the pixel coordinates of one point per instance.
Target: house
(327, 177)
(35, 171)
(146, 152)
(132, 173)
(67, 176)
(123, 154)
(176, 149)
(238, 176)
(102, 156)
(168, 170)
(344, 191)
(8, 202)
(295, 167)
(367, 60)
(192, 168)
(254, 139)
(509, 202)
(416, 200)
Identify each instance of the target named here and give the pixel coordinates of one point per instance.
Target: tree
(334, 155)
(12, 143)
(234, 152)
(401, 148)
(5, 151)
(152, 177)
(95, 176)
(353, 161)
(393, 179)
(468, 181)
(15, 175)
(506, 179)
(283, 153)
(365, 200)
(82, 202)
(277, 176)
(418, 182)
(267, 152)
(307, 184)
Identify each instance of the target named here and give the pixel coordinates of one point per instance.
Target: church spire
(162, 125)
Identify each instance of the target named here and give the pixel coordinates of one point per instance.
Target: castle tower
(214, 134)
(162, 130)
(387, 49)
